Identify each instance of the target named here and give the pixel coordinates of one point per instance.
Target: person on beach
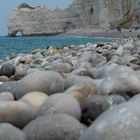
(138, 37)
(119, 29)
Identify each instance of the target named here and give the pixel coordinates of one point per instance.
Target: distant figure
(119, 29)
(137, 18)
(138, 37)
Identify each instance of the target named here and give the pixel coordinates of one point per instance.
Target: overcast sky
(7, 6)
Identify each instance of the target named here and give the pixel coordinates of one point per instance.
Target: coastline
(124, 33)
(71, 73)
(101, 77)
(105, 33)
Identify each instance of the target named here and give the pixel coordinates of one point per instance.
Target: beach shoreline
(124, 33)
(54, 82)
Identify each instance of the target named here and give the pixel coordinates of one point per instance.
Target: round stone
(48, 82)
(61, 103)
(7, 69)
(82, 91)
(21, 71)
(37, 61)
(6, 96)
(54, 127)
(74, 79)
(97, 104)
(119, 123)
(101, 72)
(34, 99)
(9, 132)
(98, 60)
(82, 72)
(60, 67)
(16, 113)
(122, 80)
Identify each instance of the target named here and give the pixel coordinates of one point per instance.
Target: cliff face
(80, 14)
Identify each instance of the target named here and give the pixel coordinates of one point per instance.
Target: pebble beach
(78, 92)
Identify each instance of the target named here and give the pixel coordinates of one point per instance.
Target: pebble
(61, 103)
(81, 92)
(118, 123)
(15, 112)
(97, 104)
(10, 132)
(54, 127)
(7, 69)
(34, 99)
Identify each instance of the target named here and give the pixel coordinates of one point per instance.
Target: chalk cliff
(80, 14)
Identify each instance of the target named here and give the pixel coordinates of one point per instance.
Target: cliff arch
(91, 14)
(15, 33)
(18, 33)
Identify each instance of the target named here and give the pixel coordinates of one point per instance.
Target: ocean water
(16, 45)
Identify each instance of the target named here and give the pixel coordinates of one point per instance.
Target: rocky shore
(85, 92)
(114, 33)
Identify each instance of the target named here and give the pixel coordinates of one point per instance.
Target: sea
(14, 45)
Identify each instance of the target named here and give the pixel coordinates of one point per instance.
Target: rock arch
(19, 33)
(16, 33)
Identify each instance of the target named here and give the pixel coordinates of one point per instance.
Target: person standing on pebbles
(138, 37)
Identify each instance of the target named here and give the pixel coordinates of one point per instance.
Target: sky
(7, 6)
